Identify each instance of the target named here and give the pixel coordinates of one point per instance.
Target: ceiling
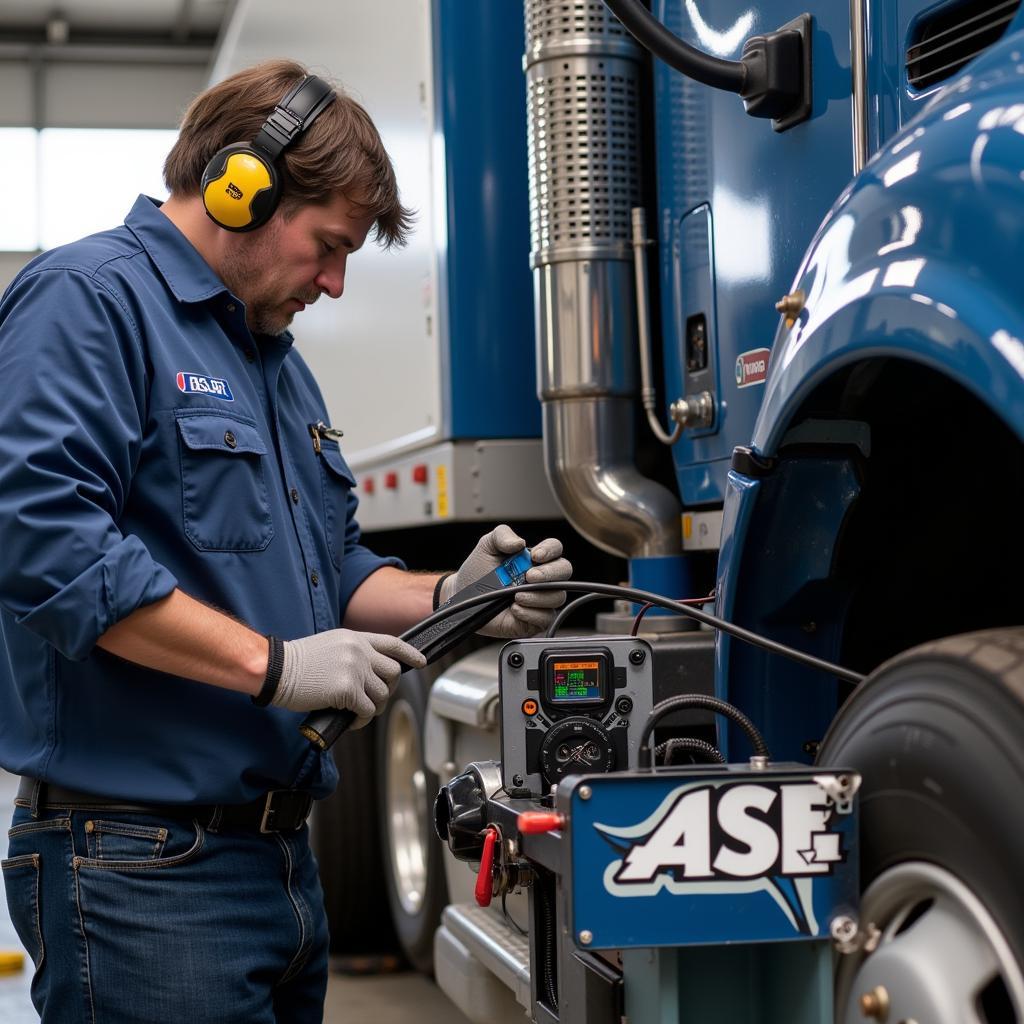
(49, 25)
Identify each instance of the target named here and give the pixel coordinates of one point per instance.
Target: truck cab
(749, 337)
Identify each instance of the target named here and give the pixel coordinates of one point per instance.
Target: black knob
(638, 656)
(517, 780)
(515, 659)
(460, 814)
(624, 705)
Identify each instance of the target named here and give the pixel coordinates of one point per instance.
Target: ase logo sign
(732, 837)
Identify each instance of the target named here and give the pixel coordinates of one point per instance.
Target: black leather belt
(280, 810)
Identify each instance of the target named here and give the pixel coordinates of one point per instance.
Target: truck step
(499, 947)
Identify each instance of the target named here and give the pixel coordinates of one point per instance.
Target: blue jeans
(131, 917)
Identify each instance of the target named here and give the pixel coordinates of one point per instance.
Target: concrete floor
(385, 999)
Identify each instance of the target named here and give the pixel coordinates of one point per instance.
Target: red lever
(540, 821)
(485, 877)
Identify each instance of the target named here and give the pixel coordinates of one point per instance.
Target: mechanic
(182, 577)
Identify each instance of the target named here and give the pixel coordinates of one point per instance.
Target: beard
(266, 318)
(250, 274)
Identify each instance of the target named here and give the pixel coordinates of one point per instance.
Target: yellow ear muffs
(240, 188)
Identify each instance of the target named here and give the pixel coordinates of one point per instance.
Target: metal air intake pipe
(583, 111)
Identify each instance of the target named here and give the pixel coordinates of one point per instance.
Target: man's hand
(343, 669)
(528, 614)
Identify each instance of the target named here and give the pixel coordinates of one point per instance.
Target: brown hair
(341, 152)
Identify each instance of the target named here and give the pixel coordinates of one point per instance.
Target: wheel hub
(940, 959)
(406, 808)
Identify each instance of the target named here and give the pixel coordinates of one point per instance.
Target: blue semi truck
(734, 286)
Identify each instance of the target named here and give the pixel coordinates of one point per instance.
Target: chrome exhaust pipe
(583, 112)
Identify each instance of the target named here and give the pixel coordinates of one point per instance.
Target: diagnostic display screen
(573, 681)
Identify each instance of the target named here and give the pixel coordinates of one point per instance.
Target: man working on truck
(182, 577)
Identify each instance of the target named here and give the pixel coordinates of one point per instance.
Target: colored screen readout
(576, 680)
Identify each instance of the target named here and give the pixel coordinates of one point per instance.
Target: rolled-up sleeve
(71, 426)
(359, 561)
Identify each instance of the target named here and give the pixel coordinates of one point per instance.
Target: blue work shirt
(149, 441)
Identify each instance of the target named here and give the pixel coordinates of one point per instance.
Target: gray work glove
(528, 614)
(343, 669)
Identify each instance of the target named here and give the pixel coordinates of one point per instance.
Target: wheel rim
(406, 808)
(940, 959)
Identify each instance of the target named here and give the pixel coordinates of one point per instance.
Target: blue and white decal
(662, 861)
(201, 384)
(513, 571)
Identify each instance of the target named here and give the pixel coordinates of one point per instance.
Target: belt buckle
(269, 811)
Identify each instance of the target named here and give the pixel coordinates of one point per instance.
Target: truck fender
(920, 257)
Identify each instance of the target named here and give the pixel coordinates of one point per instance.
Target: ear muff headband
(241, 185)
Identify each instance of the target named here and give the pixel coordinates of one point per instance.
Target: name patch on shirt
(200, 384)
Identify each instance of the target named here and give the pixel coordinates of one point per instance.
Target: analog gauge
(575, 746)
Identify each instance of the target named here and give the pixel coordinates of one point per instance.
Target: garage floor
(386, 999)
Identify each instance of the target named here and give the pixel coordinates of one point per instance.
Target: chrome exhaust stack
(583, 112)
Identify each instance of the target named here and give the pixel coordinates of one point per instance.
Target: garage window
(59, 184)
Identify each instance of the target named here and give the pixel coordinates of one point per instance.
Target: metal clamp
(840, 789)
(848, 936)
(694, 411)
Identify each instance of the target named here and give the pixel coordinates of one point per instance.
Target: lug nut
(875, 1004)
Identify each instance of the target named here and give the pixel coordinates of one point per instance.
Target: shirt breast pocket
(225, 504)
(338, 481)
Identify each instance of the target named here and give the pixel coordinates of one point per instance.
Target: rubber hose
(730, 75)
(699, 700)
(690, 744)
(549, 956)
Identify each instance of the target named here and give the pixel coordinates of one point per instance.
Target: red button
(368, 485)
(419, 474)
(391, 481)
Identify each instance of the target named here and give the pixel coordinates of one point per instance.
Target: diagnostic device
(571, 706)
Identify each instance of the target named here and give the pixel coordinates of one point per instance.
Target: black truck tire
(937, 734)
(346, 841)
(413, 862)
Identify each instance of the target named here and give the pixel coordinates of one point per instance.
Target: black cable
(568, 609)
(648, 606)
(508, 916)
(548, 955)
(691, 745)
(730, 75)
(698, 700)
(324, 727)
(639, 597)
